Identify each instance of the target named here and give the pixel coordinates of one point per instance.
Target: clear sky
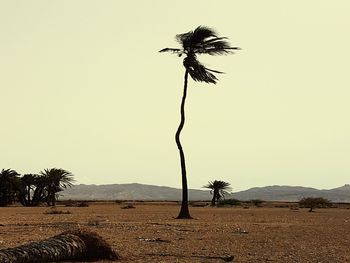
(83, 88)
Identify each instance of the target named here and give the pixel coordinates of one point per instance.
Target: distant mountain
(151, 192)
(293, 193)
(129, 192)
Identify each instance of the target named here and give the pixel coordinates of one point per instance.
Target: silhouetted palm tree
(202, 40)
(8, 186)
(218, 190)
(55, 180)
(32, 189)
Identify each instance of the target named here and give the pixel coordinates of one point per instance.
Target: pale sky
(84, 88)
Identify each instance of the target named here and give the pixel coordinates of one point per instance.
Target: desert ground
(149, 232)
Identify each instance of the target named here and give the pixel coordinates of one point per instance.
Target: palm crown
(58, 179)
(202, 40)
(218, 187)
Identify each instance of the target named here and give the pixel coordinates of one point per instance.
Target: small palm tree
(218, 189)
(8, 186)
(202, 40)
(55, 180)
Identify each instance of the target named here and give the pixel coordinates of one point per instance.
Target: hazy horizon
(204, 189)
(84, 88)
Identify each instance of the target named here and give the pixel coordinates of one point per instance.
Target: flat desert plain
(149, 232)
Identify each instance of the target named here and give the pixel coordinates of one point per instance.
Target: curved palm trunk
(72, 245)
(184, 212)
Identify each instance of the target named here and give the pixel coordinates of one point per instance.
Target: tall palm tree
(202, 40)
(56, 180)
(8, 186)
(218, 189)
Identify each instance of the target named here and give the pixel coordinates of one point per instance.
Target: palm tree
(32, 189)
(8, 186)
(202, 40)
(55, 180)
(218, 189)
(71, 245)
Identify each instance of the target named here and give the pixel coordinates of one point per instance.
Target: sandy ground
(149, 233)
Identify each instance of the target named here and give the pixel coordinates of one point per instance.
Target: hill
(151, 192)
(130, 192)
(293, 193)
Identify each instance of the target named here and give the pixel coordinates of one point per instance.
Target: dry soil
(149, 232)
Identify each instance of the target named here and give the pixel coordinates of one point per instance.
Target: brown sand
(149, 233)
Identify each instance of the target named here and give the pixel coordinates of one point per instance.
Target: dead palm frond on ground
(70, 245)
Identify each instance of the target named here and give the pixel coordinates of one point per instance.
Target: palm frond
(216, 46)
(184, 39)
(201, 33)
(171, 50)
(192, 38)
(213, 40)
(8, 173)
(215, 71)
(58, 177)
(198, 72)
(221, 186)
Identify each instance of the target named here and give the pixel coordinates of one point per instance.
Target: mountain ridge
(137, 191)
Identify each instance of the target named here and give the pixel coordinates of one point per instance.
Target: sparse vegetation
(257, 202)
(71, 203)
(55, 211)
(93, 222)
(314, 202)
(128, 206)
(151, 221)
(229, 202)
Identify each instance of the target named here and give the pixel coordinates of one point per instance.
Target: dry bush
(257, 202)
(55, 211)
(128, 206)
(71, 203)
(199, 204)
(314, 202)
(229, 202)
(83, 204)
(93, 222)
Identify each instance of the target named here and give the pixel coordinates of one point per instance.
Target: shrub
(256, 202)
(71, 203)
(54, 211)
(83, 204)
(314, 202)
(93, 222)
(230, 202)
(128, 206)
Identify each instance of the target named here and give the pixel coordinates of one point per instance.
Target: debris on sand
(226, 257)
(158, 239)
